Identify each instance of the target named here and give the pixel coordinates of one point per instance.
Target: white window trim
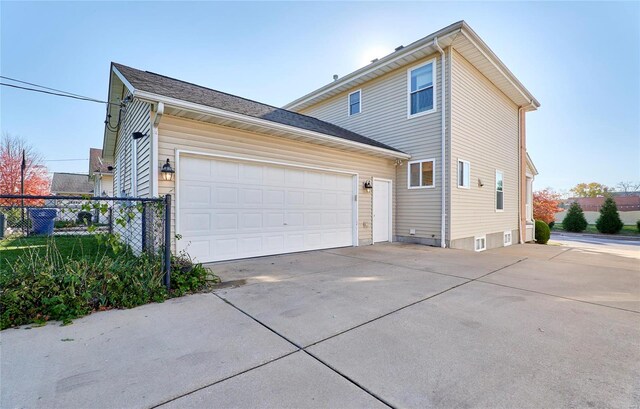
(476, 238)
(349, 103)
(432, 186)
(435, 93)
(495, 192)
(458, 175)
(504, 242)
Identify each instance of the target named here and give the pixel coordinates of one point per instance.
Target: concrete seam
(373, 395)
(222, 380)
(559, 296)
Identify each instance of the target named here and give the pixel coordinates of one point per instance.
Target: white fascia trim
(418, 45)
(124, 80)
(154, 98)
(488, 54)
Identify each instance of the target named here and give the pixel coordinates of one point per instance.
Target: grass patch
(69, 247)
(65, 277)
(627, 230)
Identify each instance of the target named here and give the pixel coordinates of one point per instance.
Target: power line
(62, 160)
(66, 95)
(40, 86)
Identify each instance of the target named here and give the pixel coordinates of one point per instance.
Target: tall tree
(592, 189)
(36, 176)
(545, 205)
(628, 187)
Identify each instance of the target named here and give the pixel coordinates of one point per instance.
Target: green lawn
(626, 230)
(69, 247)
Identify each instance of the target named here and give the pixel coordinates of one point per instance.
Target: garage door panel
(251, 209)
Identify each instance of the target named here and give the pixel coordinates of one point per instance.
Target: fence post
(167, 241)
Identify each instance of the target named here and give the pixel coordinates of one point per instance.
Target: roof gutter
(203, 109)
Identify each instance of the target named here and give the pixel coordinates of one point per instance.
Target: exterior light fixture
(367, 186)
(167, 171)
(138, 135)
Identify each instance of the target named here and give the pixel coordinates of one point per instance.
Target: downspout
(443, 215)
(522, 180)
(521, 225)
(154, 148)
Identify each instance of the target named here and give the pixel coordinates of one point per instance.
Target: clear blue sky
(580, 60)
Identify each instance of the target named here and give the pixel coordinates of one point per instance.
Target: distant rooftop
(76, 183)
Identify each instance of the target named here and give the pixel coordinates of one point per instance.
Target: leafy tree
(592, 189)
(609, 221)
(574, 220)
(545, 205)
(543, 233)
(36, 176)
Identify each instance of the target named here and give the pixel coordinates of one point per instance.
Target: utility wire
(67, 95)
(63, 160)
(40, 86)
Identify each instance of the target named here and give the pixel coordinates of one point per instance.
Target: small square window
(464, 174)
(480, 243)
(355, 102)
(421, 174)
(507, 238)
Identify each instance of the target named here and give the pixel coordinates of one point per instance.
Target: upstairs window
(421, 89)
(499, 191)
(354, 102)
(421, 174)
(464, 170)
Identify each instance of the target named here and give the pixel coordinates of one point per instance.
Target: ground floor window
(480, 243)
(421, 174)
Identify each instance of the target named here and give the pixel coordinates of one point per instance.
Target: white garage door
(229, 209)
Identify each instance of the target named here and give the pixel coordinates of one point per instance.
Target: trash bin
(42, 220)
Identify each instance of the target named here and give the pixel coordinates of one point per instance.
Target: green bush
(638, 225)
(48, 286)
(543, 233)
(609, 221)
(551, 224)
(574, 220)
(61, 224)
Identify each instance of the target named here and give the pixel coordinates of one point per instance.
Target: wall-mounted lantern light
(138, 135)
(167, 171)
(480, 183)
(368, 186)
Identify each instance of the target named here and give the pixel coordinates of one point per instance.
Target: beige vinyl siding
(484, 131)
(189, 135)
(136, 119)
(383, 117)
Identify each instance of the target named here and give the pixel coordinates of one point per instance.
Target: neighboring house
(71, 184)
(101, 173)
(356, 162)
(628, 204)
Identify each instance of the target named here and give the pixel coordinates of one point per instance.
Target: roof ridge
(318, 123)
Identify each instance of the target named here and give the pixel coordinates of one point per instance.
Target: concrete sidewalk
(385, 325)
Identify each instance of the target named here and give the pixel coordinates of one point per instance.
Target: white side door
(381, 210)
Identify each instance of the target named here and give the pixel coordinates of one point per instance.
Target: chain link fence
(139, 225)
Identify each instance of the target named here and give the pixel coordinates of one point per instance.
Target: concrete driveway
(378, 326)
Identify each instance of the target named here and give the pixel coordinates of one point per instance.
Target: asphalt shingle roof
(71, 183)
(96, 163)
(185, 91)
